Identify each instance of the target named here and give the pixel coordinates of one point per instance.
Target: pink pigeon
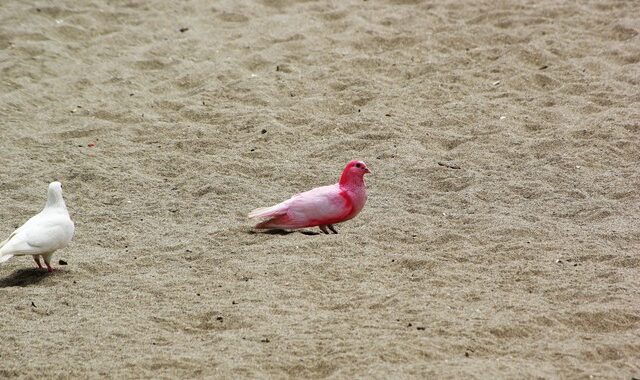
(323, 206)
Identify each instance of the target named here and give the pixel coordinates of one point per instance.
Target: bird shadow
(25, 277)
(284, 232)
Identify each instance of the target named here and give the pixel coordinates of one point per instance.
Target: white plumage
(44, 233)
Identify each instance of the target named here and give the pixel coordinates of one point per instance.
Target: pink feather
(322, 206)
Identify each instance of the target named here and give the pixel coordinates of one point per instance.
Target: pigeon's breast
(358, 197)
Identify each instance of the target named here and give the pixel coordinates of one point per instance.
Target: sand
(500, 239)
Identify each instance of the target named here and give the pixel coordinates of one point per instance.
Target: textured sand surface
(502, 233)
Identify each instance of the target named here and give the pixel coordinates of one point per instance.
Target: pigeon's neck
(350, 180)
(55, 200)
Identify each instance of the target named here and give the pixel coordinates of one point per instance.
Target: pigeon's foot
(36, 258)
(332, 228)
(49, 268)
(323, 228)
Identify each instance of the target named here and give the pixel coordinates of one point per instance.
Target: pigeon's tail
(277, 217)
(269, 212)
(281, 221)
(4, 256)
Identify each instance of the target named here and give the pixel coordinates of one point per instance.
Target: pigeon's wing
(322, 205)
(41, 236)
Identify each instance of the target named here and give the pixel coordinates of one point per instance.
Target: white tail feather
(5, 242)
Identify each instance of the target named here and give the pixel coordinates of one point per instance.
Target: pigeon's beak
(366, 170)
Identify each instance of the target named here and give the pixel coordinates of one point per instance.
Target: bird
(49, 230)
(323, 206)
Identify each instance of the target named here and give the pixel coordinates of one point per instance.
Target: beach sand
(502, 232)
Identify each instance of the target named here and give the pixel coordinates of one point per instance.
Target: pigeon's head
(354, 171)
(358, 167)
(55, 187)
(54, 194)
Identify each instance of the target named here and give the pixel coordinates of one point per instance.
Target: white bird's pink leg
(332, 228)
(36, 258)
(47, 261)
(324, 229)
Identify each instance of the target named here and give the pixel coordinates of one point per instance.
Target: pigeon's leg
(332, 228)
(36, 258)
(324, 229)
(47, 261)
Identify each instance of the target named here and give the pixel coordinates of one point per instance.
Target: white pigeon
(44, 233)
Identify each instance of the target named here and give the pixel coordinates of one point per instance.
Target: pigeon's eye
(358, 165)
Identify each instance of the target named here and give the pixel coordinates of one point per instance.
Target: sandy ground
(500, 240)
